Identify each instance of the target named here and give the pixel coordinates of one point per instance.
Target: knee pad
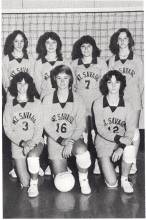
(83, 160)
(33, 164)
(136, 135)
(64, 181)
(129, 154)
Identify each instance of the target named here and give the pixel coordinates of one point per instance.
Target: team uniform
(112, 121)
(23, 122)
(87, 77)
(132, 68)
(61, 121)
(42, 77)
(12, 66)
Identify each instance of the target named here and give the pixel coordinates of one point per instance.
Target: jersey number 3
(25, 125)
(61, 127)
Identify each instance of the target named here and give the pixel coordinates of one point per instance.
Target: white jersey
(87, 77)
(23, 122)
(132, 68)
(42, 75)
(12, 66)
(67, 121)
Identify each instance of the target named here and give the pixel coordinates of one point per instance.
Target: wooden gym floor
(101, 203)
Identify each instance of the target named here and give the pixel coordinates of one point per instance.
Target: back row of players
(67, 91)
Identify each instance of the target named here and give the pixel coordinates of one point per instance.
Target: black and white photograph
(73, 129)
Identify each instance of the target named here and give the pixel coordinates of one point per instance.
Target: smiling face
(22, 88)
(86, 50)
(123, 40)
(62, 80)
(18, 43)
(113, 85)
(51, 45)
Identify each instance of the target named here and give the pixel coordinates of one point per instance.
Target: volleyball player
(22, 122)
(130, 65)
(64, 121)
(88, 68)
(115, 140)
(15, 60)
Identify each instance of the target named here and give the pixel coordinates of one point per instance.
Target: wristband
(59, 140)
(122, 146)
(117, 139)
(21, 143)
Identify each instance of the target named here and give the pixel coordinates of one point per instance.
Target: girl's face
(86, 50)
(113, 85)
(62, 80)
(22, 87)
(51, 45)
(18, 43)
(123, 40)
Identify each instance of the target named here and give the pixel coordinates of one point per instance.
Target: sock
(83, 176)
(33, 181)
(124, 178)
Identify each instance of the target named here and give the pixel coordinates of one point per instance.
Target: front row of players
(62, 115)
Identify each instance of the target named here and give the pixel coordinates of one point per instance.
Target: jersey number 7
(87, 84)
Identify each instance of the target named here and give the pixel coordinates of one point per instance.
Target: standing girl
(23, 125)
(49, 55)
(130, 65)
(88, 68)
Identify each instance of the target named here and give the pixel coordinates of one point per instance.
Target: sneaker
(96, 168)
(127, 186)
(48, 171)
(133, 169)
(41, 172)
(12, 173)
(33, 190)
(85, 188)
(111, 186)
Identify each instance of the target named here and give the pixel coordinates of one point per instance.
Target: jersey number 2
(61, 127)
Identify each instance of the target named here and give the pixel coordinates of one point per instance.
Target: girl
(64, 121)
(15, 60)
(49, 55)
(88, 68)
(23, 125)
(115, 130)
(130, 65)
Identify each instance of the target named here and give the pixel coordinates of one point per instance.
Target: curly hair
(61, 69)
(41, 48)
(31, 92)
(119, 77)
(114, 47)
(9, 43)
(86, 39)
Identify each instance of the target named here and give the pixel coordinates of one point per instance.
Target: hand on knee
(33, 164)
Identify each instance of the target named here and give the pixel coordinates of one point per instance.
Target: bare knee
(79, 147)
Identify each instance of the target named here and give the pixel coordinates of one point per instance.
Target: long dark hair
(41, 48)
(9, 43)
(119, 77)
(31, 92)
(86, 39)
(114, 47)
